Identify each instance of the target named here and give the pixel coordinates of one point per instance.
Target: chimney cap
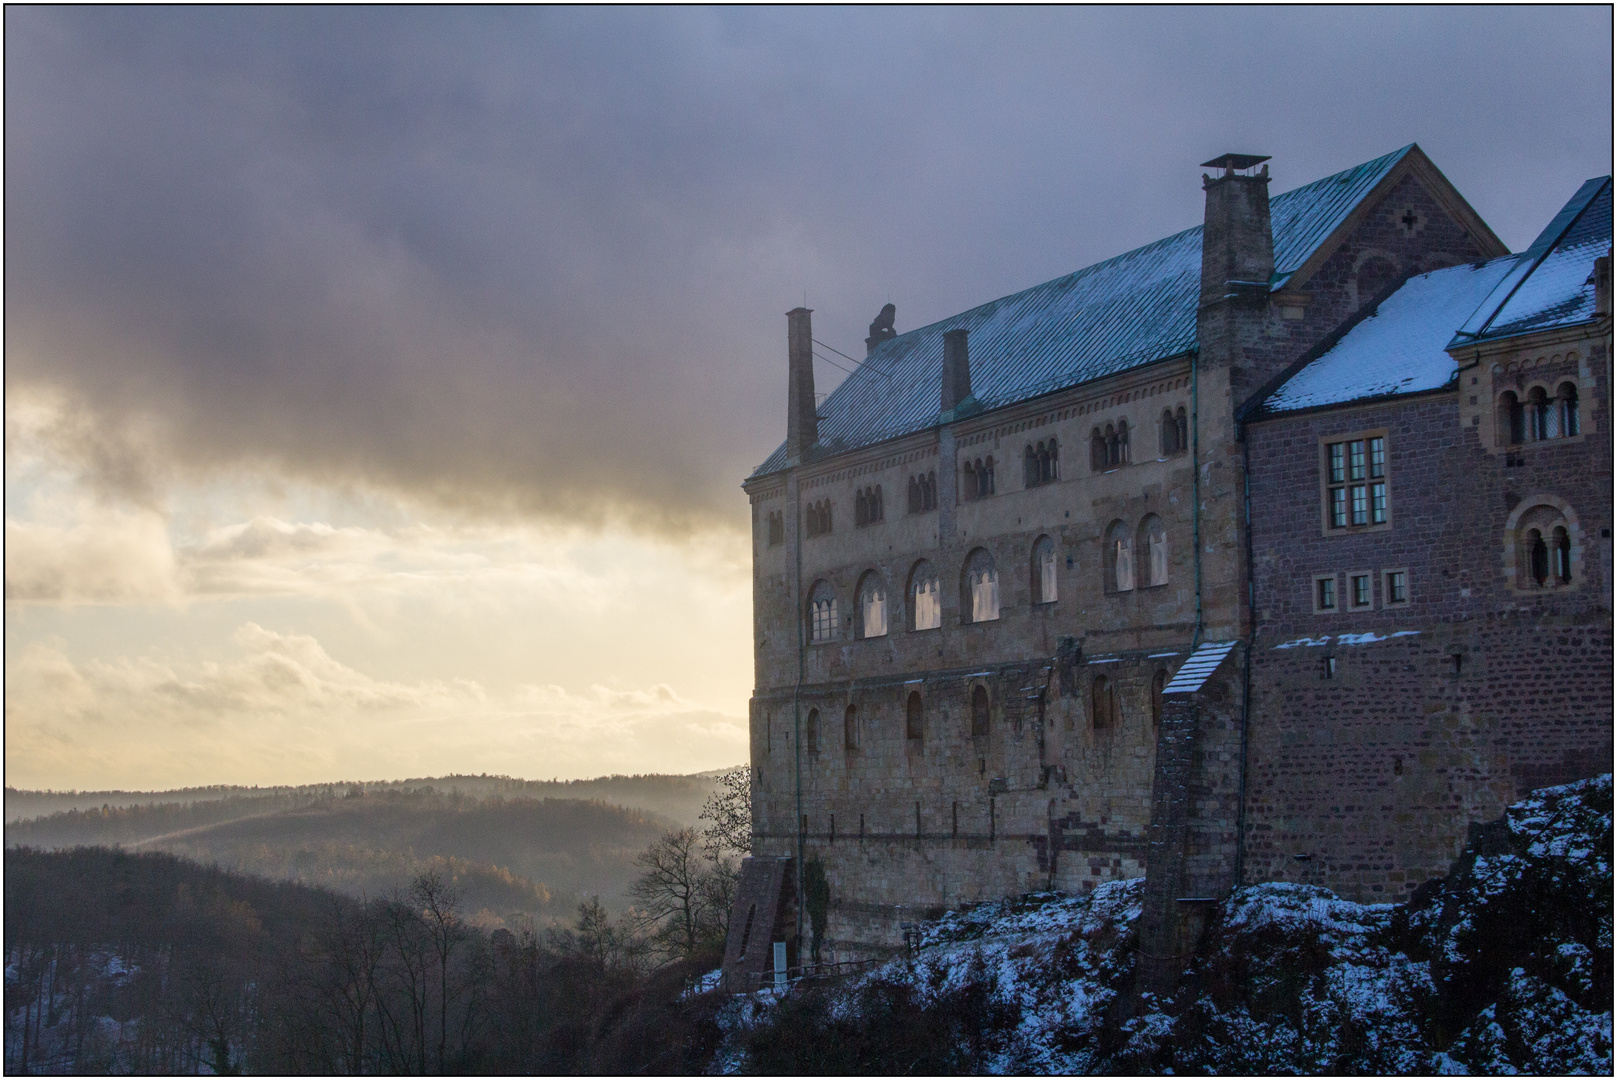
(1235, 161)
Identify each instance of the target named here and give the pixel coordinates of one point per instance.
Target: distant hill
(512, 858)
(676, 797)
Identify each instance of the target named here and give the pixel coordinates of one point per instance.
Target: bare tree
(671, 889)
(728, 812)
(437, 903)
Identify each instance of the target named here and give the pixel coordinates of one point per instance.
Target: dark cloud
(538, 260)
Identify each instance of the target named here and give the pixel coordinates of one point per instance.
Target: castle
(1277, 550)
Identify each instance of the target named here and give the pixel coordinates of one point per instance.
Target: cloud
(534, 261)
(283, 706)
(106, 556)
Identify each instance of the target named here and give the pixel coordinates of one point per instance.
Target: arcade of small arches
(1109, 446)
(867, 505)
(1135, 557)
(1538, 415)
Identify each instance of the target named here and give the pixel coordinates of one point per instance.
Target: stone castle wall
(1045, 799)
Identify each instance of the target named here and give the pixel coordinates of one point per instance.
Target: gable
(1135, 309)
(1385, 199)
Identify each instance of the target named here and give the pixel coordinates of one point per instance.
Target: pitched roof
(1401, 347)
(1128, 311)
(1550, 286)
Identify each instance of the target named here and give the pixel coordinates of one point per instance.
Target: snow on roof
(1195, 671)
(1552, 286)
(1401, 346)
(1131, 310)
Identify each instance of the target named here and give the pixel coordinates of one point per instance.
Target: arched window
(1566, 409)
(822, 614)
(926, 604)
(777, 528)
(812, 731)
(1097, 451)
(1122, 442)
(929, 491)
(1119, 558)
(850, 729)
(1158, 682)
(979, 711)
(1113, 452)
(914, 718)
(1168, 434)
(1508, 419)
(817, 517)
(1184, 429)
(1041, 462)
(915, 495)
(1043, 588)
(1543, 551)
(872, 606)
(1152, 543)
(979, 596)
(985, 477)
(861, 509)
(1103, 703)
(1539, 415)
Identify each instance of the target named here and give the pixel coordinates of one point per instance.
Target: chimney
(802, 422)
(1238, 251)
(1602, 279)
(956, 369)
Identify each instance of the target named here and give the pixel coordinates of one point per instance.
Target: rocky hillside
(1503, 966)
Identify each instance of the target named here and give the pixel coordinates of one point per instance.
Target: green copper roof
(1131, 310)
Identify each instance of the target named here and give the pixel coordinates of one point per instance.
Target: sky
(379, 381)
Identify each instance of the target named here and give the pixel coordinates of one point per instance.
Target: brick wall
(1367, 781)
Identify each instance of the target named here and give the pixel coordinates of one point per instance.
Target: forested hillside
(677, 797)
(145, 963)
(511, 858)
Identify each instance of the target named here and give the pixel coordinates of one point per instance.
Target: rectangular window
(1327, 667)
(1359, 590)
(1395, 588)
(1324, 594)
(1354, 482)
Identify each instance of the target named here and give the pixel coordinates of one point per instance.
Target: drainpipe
(797, 719)
(1196, 490)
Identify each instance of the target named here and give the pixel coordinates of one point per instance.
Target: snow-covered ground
(1503, 967)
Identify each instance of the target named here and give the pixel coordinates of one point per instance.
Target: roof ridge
(1532, 259)
(1389, 158)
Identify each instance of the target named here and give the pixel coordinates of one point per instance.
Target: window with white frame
(1119, 558)
(1044, 571)
(872, 607)
(981, 587)
(823, 622)
(1153, 543)
(926, 605)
